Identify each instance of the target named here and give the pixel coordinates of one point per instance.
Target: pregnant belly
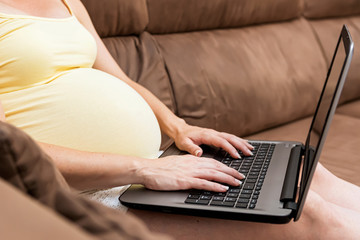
(88, 110)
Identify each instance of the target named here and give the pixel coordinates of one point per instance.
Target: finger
(218, 176)
(221, 142)
(239, 143)
(251, 147)
(202, 184)
(213, 164)
(190, 147)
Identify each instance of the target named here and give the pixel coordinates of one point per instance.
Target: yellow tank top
(49, 89)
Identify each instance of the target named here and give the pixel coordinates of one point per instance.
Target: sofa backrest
(236, 66)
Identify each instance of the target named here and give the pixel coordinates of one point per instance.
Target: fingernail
(238, 181)
(250, 152)
(197, 153)
(225, 188)
(242, 175)
(238, 155)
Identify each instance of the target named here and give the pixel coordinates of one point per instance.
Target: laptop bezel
(344, 38)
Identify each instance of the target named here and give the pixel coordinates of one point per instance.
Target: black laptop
(278, 176)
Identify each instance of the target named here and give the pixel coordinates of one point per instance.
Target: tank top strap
(68, 7)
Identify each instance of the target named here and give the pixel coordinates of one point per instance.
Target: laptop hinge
(291, 205)
(289, 189)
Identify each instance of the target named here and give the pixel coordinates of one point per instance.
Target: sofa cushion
(118, 17)
(24, 218)
(245, 80)
(341, 150)
(330, 8)
(327, 32)
(351, 109)
(172, 16)
(26, 167)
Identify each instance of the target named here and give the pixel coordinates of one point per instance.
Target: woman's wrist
(174, 127)
(141, 171)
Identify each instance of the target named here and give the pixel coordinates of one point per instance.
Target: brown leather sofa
(253, 68)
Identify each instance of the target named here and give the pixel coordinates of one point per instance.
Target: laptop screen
(317, 129)
(324, 112)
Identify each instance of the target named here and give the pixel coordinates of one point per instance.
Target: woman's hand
(189, 138)
(187, 172)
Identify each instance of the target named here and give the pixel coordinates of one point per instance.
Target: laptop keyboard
(246, 195)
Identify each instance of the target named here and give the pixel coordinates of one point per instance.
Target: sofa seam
(172, 92)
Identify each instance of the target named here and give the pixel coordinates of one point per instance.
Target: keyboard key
(251, 206)
(234, 190)
(237, 161)
(246, 191)
(243, 200)
(233, 195)
(221, 194)
(205, 197)
(249, 186)
(195, 201)
(241, 205)
(222, 204)
(208, 193)
(218, 198)
(230, 199)
(255, 196)
(190, 200)
(251, 180)
(192, 196)
(243, 195)
(203, 202)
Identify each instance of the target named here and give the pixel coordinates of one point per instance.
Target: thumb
(192, 148)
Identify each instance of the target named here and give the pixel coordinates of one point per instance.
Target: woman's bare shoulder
(82, 15)
(79, 10)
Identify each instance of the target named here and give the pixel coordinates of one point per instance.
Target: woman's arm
(186, 137)
(88, 170)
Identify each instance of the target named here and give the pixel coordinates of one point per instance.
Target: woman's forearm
(87, 170)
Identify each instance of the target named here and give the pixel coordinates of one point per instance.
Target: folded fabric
(26, 167)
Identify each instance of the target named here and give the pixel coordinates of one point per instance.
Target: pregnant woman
(59, 83)
(61, 86)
